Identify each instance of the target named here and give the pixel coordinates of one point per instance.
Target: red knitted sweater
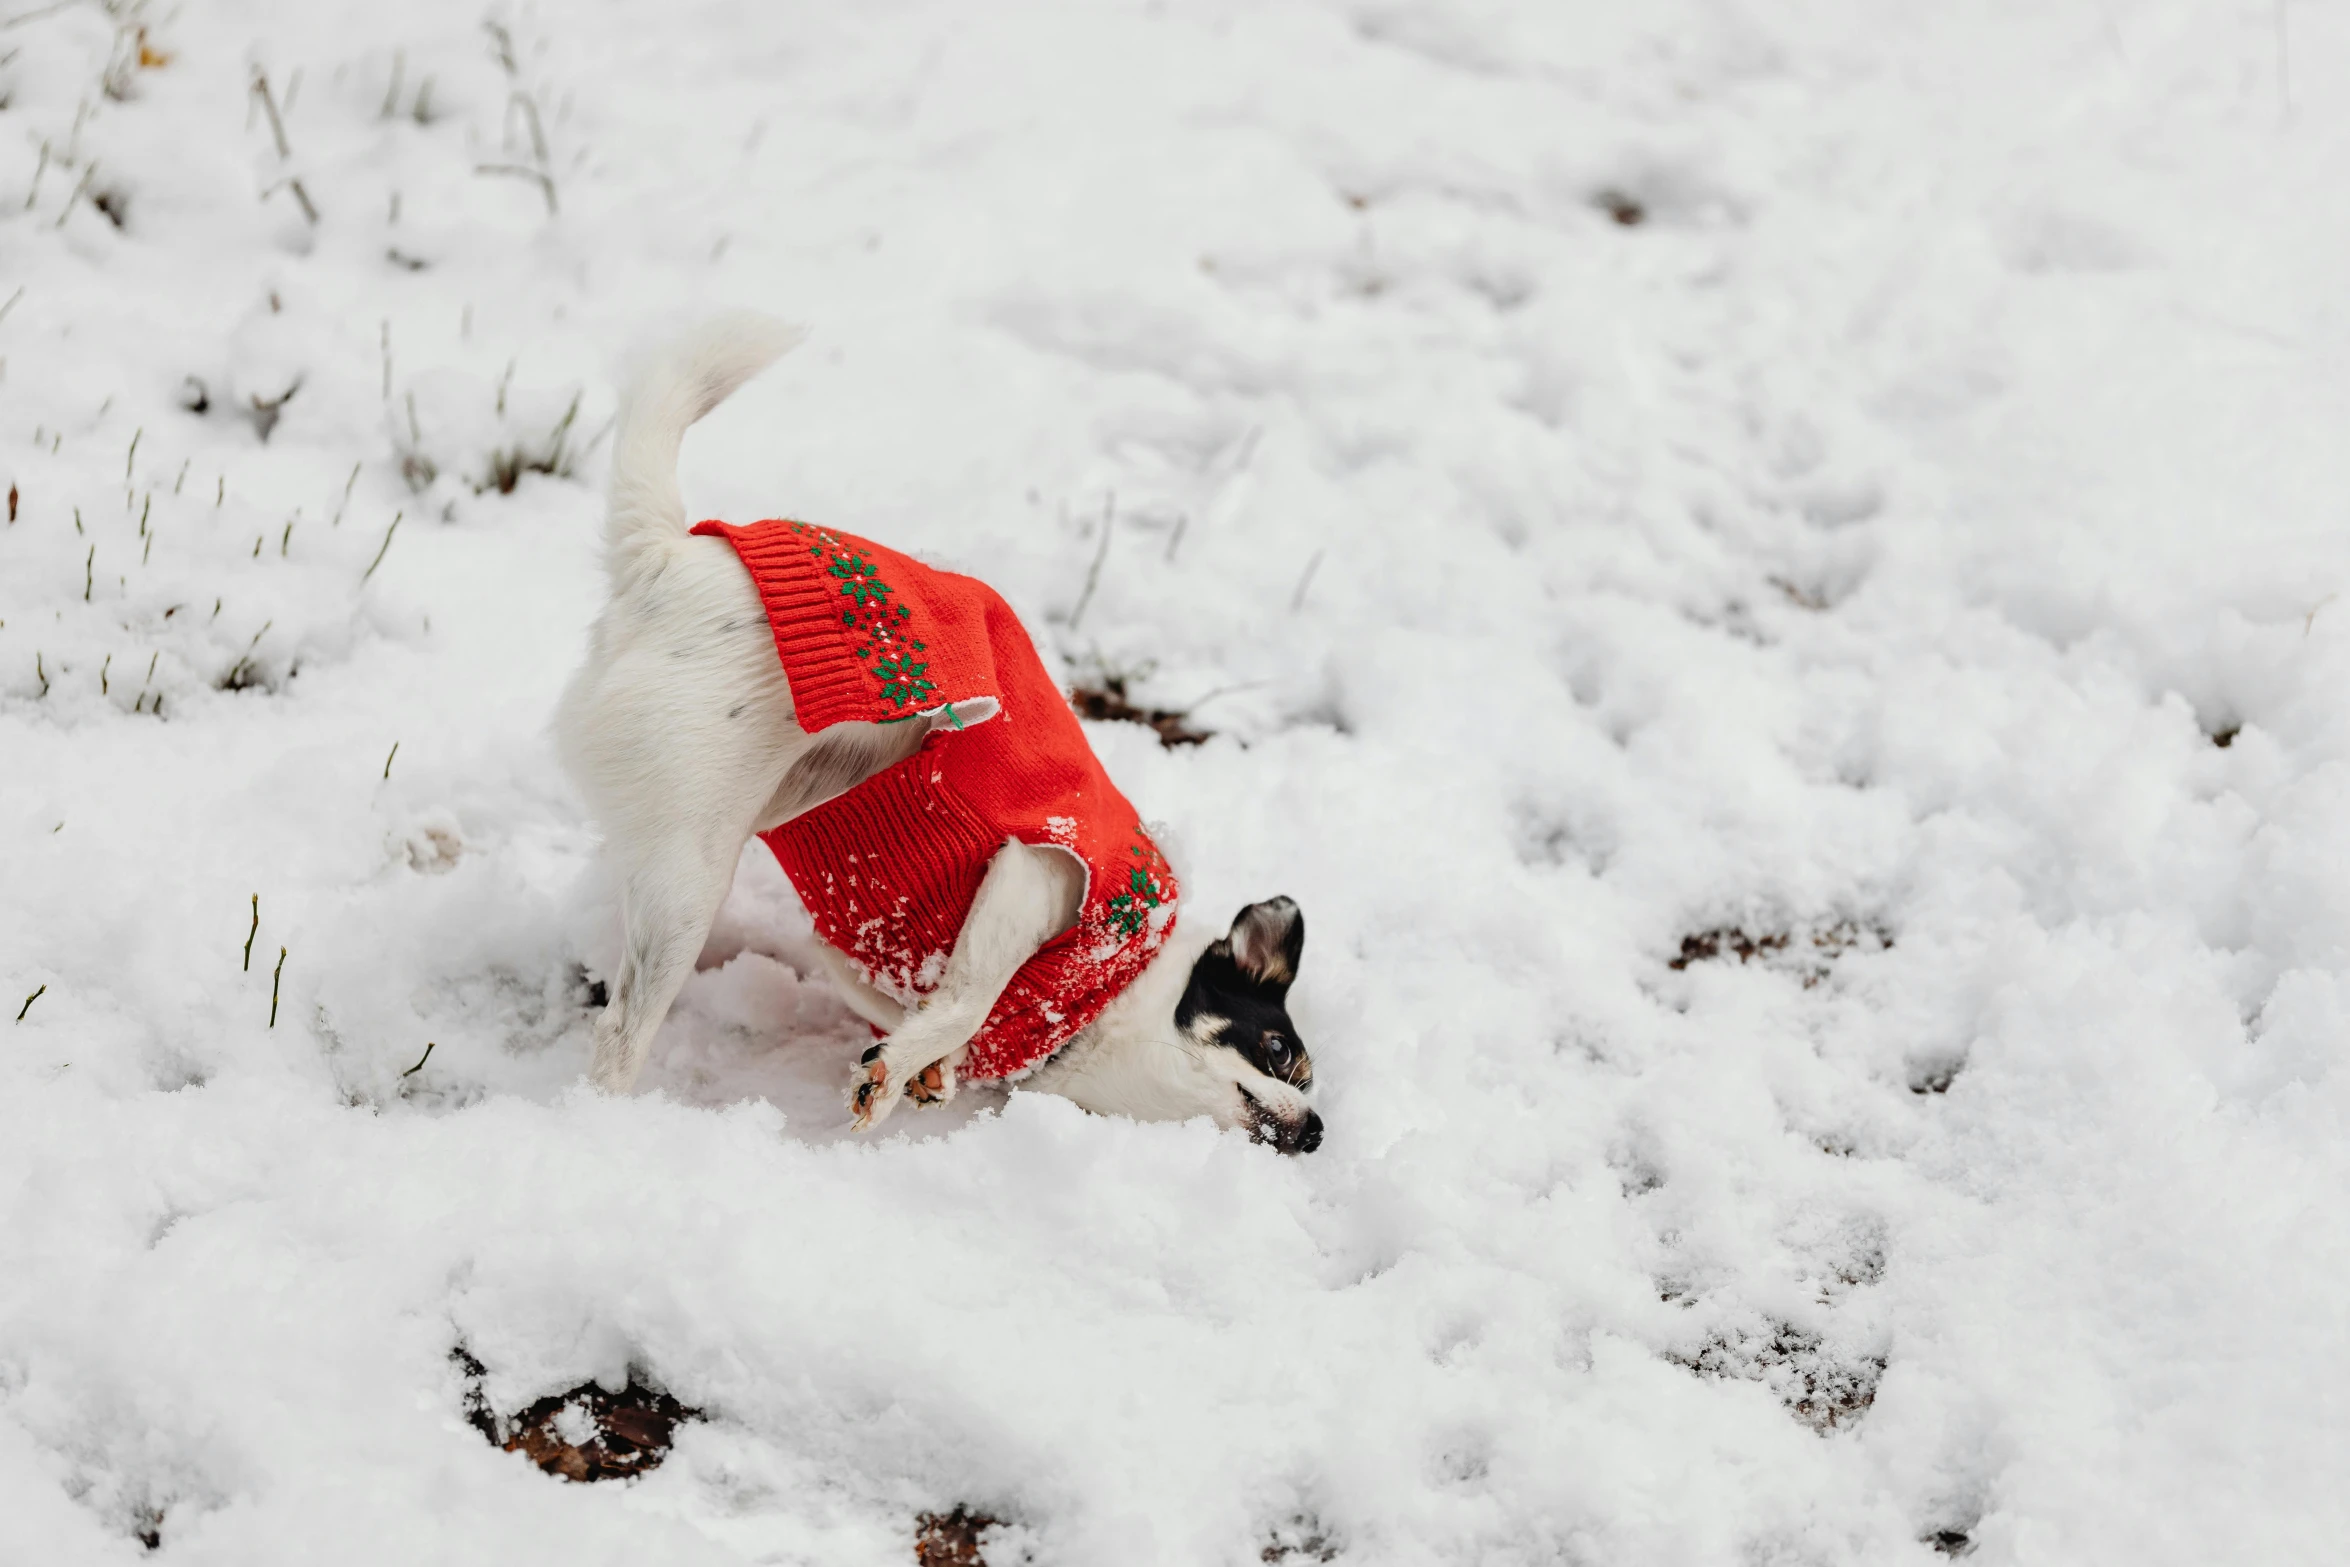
(890, 868)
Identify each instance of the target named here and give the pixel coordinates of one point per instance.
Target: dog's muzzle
(1300, 1136)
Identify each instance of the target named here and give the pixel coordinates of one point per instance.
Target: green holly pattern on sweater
(1131, 910)
(871, 613)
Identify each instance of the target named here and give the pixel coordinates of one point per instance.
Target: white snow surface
(1868, 547)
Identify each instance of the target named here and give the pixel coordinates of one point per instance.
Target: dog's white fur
(679, 731)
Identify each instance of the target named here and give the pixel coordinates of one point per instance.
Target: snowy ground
(1809, 728)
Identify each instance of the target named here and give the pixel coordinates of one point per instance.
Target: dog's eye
(1276, 1052)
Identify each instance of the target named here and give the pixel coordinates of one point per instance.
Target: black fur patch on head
(1239, 989)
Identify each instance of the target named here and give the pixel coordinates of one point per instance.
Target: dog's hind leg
(679, 732)
(674, 836)
(670, 889)
(678, 727)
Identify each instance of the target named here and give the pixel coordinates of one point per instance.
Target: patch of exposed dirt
(951, 1539)
(1707, 945)
(1823, 1390)
(1627, 211)
(585, 1434)
(1108, 702)
(1302, 1539)
(1807, 953)
(1935, 1076)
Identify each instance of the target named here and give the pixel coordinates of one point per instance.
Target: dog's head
(1235, 1012)
(1204, 1033)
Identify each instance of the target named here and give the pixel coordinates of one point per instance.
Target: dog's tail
(680, 385)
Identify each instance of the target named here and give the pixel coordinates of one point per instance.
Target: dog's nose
(1308, 1135)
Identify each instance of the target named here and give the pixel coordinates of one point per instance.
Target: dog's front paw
(933, 1085)
(879, 1089)
(875, 1095)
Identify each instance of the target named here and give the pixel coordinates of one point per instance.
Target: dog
(1050, 952)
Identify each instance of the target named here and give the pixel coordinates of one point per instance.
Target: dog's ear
(1267, 939)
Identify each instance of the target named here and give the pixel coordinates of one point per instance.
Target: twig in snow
(33, 193)
(34, 15)
(420, 1060)
(1093, 575)
(295, 185)
(504, 43)
(88, 169)
(36, 995)
(255, 931)
(509, 464)
(89, 568)
(11, 305)
(102, 669)
(274, 976)
(132, 455)
(541, 166)
(277, 131)
(277, 127)
(387, 544)
(349, 485)
(43, 673)
(545, 181)
(267, 411)
(234, 679)
(555, 437)
(395, 751)
(12, 504)
(594, 440)
(530, 114)
(1297, 600)
(392, 93)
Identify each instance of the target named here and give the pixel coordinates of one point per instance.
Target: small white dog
(976, 950)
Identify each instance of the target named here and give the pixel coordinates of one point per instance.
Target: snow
(1869, 547)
